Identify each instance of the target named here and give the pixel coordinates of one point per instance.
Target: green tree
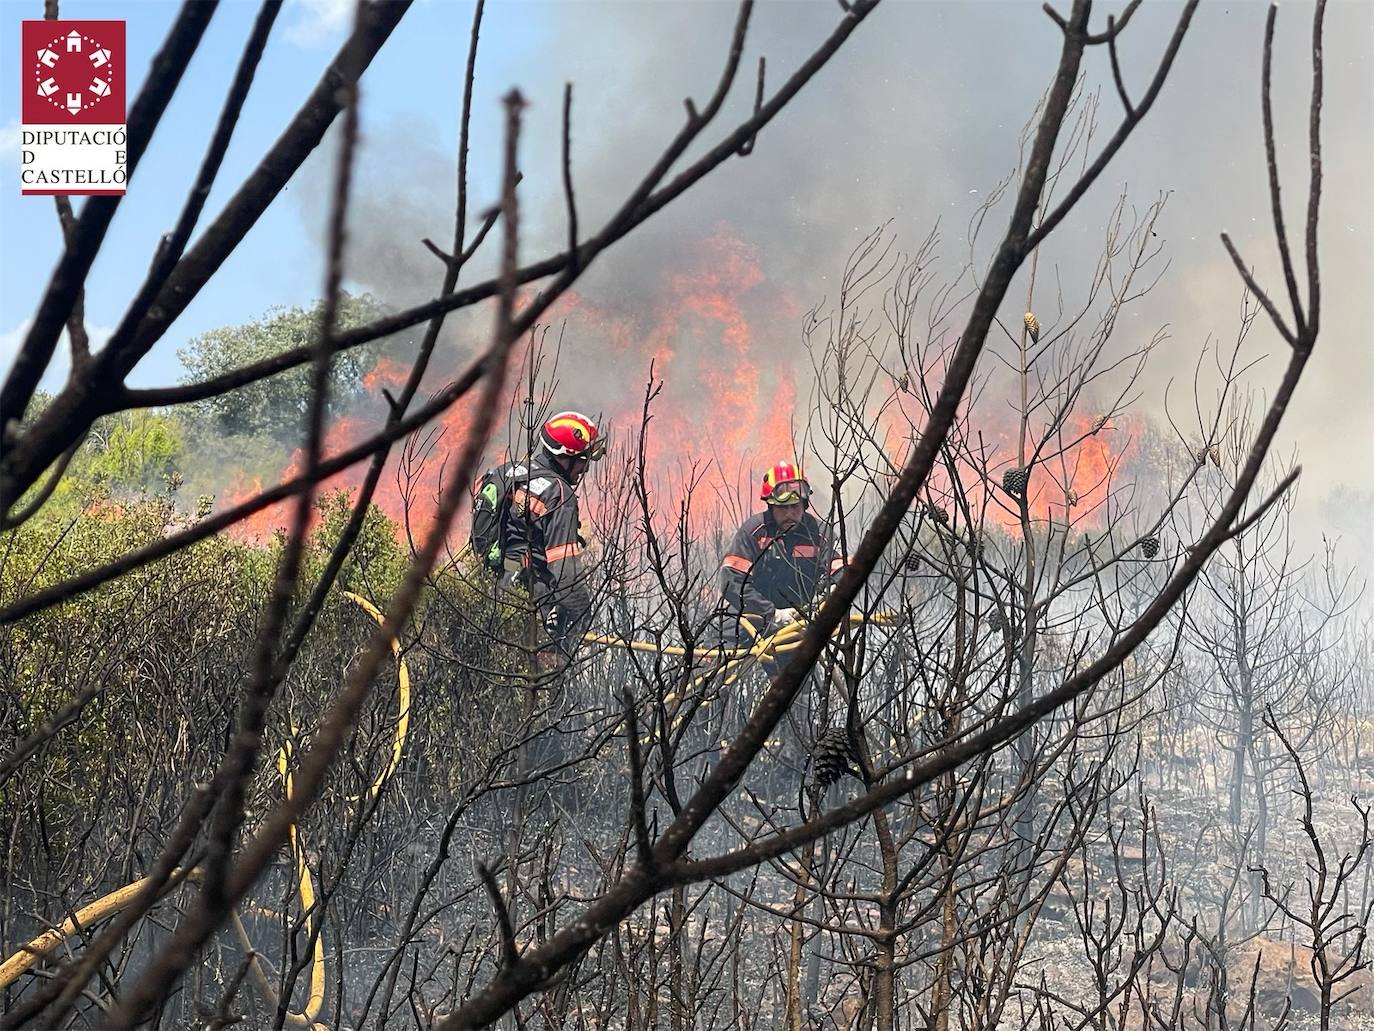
(125, 456)
(275, 406)
(134, 448)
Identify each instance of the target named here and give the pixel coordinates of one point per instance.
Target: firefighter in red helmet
(540, 547)
(781, 557)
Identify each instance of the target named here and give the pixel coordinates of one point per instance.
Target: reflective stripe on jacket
(541, 535)
(764, 570)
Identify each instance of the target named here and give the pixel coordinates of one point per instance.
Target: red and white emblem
(73, 134)
(74, 72)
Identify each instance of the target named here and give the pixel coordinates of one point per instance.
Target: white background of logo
(102, 163)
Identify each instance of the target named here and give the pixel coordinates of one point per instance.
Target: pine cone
(912, 562)
(1032, 326)
(832, 758)
(937, 513)
(1099, 422)
(1014, 481)
(1071, 497)
(1150, 546)
(1214, 453)
(996, 622)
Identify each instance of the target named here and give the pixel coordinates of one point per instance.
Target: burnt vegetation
(1080, 738)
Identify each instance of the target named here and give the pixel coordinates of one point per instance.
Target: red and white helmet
(785, 484)
(573, 435)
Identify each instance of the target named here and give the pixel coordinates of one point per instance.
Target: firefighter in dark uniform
(781, 558)
(541, 548)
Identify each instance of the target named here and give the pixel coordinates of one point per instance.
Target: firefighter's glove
(782, 617)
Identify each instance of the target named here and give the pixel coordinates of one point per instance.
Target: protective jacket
(765, 570)
(542, 548)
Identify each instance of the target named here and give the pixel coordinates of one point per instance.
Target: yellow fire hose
(403, 705)
(765, 649)
(83, 920)
(783, 640)
(108, 905)
(306, 886)
(637, 646)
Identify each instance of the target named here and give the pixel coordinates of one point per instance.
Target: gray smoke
(918, 117)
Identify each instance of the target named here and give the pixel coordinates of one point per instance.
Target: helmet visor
(596, 450)
(789, 492)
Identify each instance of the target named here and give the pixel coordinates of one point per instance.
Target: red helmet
(572, 434)
(785, 484)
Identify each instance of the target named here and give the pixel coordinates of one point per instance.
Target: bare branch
(1128, 124)
(1116, 69)
(568, 197)
(510, 954)
(1272, 163)
(747, 147)
(95, 390)
(637, 803)
(1253, 286)
(69, 278)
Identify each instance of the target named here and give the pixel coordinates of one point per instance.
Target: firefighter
(781, 557)
(541, 548)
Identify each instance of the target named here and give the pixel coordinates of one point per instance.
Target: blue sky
(279, 262)
(916, 119)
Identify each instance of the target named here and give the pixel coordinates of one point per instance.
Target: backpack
(490, 505)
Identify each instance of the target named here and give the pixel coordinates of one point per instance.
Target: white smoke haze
(916, 121)
(911, 127)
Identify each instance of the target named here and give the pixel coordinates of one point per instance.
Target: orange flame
(387, 373)
(1069, 482)
(260, 526)
(718, 335)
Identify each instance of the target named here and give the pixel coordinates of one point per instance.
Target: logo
(73, 136)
